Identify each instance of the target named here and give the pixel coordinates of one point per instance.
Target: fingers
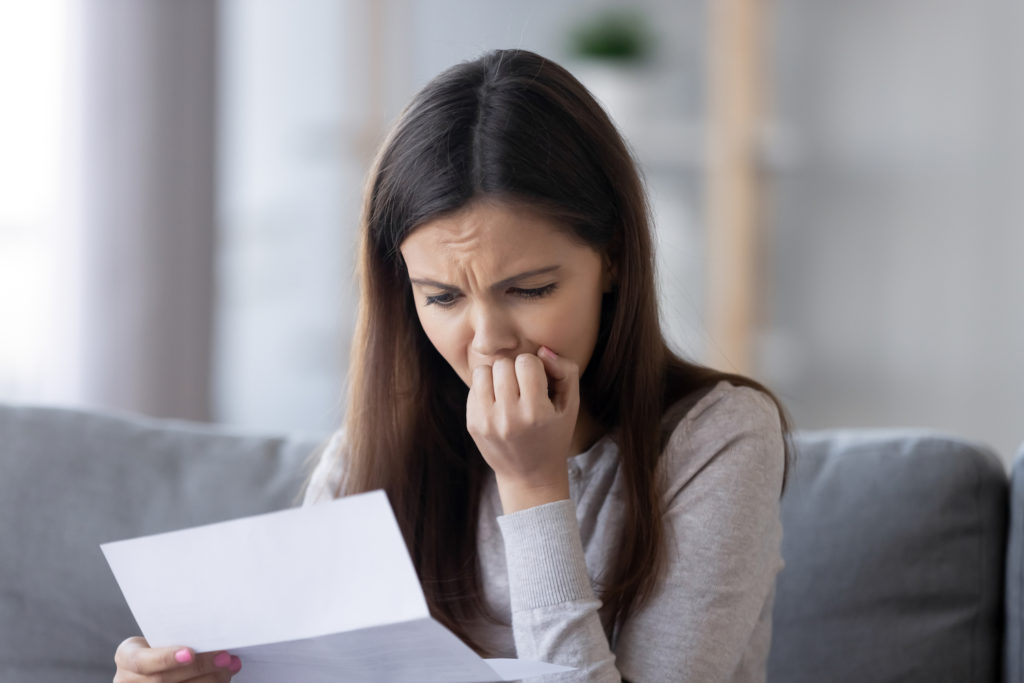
(207, 667)
(136, 661)
(565, 379)
(531, 378)
(135, 654)
(506, 387)
(483, 385)
(527, 377)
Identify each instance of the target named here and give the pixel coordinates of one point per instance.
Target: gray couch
(896, 543)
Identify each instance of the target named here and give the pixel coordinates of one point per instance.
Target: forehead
(486, 233)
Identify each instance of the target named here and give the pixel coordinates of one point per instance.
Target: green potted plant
(610, 52)
(620, 36)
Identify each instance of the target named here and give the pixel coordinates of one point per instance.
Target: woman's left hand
(523, 428)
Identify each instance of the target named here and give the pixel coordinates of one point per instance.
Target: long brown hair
(514, 126)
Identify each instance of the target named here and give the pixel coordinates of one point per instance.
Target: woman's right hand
(138, 662)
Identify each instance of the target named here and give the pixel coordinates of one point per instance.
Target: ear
(609, 274)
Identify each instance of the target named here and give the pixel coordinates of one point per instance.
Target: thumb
(565, 379)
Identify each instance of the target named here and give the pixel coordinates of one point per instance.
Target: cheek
(446, 334)
(570, 329)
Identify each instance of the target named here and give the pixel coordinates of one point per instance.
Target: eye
(534, 293)
(444, 300)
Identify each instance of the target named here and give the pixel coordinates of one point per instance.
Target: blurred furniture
(895, 542)
(738, 85)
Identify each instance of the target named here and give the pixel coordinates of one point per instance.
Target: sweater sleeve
(721, 477)
(554, 609)
(325, 481)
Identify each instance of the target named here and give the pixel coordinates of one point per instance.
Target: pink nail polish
(236, 664)
(223, 660)
(183, 656)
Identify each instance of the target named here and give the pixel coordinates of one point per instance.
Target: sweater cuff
(545, 558)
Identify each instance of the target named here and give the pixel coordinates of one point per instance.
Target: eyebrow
(497, 285)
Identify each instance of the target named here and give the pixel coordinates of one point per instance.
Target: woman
(569, 490)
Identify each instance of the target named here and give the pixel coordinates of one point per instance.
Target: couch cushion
(894, 544)
(1014, 644)
(70, 480)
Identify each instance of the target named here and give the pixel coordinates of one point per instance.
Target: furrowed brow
(521, 276)
(426, 282)
(431, 283)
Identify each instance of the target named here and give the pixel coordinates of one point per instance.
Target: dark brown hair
(515, 127)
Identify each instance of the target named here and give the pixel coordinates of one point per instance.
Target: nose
(494, 333)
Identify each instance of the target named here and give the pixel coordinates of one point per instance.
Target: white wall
(300, 117)
(899, 291)
(894, 288)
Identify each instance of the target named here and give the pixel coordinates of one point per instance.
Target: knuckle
(121, 653)
(503, 427)
(132, 661)
(131, 655)
(529, 362)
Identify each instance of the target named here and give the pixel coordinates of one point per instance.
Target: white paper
(322, 593)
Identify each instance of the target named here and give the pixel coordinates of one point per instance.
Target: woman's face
(495, 280)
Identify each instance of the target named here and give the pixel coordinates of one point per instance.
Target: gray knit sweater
(710, 617)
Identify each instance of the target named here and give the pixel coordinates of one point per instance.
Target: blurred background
(838, 191)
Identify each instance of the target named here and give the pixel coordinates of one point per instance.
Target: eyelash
(444, 301)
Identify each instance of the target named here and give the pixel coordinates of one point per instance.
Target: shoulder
(733, 430)
(726, 407)
(325, 480)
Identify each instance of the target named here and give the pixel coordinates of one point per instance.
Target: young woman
(569, 489)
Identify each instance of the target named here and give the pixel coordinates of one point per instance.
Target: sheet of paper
(429, 653)
(322, 593)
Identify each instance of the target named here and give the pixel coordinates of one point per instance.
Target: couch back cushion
(894, 544)
(70, 480)
(894, 541)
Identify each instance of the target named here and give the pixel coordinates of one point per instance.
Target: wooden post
(735, 107)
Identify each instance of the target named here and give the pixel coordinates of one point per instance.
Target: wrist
(519, 495)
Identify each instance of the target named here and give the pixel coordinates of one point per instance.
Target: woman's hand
(138, 662)
(524, 427)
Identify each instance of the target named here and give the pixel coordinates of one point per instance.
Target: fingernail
(236, 664)
(223, 660)
(183, 656)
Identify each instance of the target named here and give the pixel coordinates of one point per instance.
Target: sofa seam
(1012, 657)
(983, 568)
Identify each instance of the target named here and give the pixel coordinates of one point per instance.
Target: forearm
(554, 609)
